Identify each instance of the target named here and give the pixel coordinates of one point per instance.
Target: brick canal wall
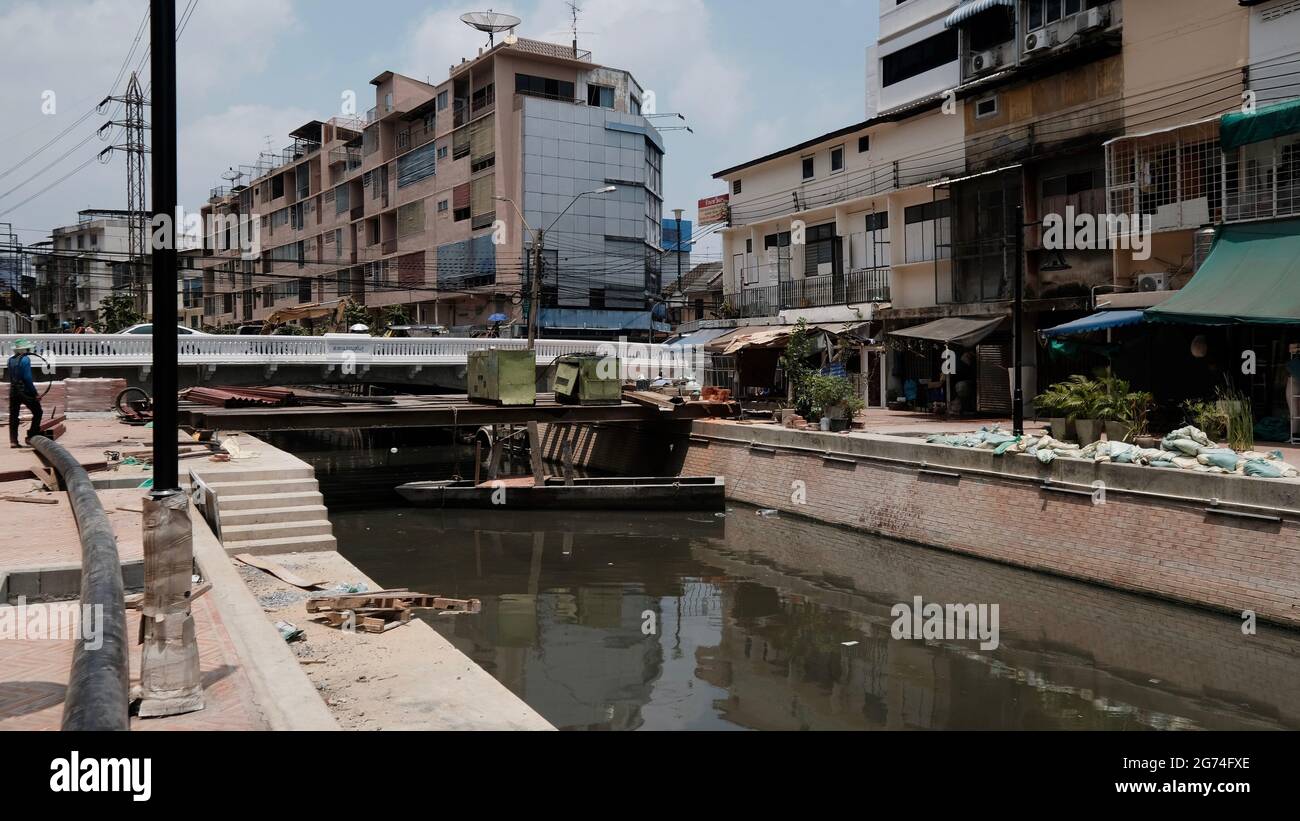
(1184, 536)
(1095, 639)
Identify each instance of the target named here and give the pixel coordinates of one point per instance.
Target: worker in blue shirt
(22, 392)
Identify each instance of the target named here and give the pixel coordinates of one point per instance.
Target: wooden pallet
(391, 600)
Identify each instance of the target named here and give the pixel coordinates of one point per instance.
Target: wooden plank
(535, 454)
(31, 500)
(280, 572)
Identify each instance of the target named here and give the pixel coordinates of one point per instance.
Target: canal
(625, 621)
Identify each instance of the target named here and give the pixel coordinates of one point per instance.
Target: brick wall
(1142, 544)
(1098, 639)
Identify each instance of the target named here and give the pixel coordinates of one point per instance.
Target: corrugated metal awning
(971, 8)
(953, 330)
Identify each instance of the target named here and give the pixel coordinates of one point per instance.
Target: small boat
(592, 493)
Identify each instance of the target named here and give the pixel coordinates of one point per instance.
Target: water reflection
(669, 621)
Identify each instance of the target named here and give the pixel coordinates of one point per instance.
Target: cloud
(437, 42)
(212, 143)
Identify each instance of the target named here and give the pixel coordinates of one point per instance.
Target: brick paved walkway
(34, 676)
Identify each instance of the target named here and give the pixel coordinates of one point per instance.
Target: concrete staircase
(267, 511)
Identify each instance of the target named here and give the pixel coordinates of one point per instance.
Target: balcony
(854, 287)
(347, 156)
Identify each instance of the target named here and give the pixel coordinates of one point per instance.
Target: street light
(539, 237)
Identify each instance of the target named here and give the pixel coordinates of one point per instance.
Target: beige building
(82, 264)
(417, 205)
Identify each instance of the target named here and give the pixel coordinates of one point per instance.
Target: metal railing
(861, 285)
(132, 350)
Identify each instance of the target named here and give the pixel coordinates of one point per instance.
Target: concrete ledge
(59, 582)
(287, 698)
(1282, 495)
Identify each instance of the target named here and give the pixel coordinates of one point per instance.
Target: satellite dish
(232, 176)
(491, 22)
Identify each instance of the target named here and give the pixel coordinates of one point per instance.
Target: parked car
(147, 328)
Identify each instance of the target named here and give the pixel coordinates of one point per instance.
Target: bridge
(331, 359)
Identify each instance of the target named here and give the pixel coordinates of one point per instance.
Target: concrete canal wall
(1225, 542)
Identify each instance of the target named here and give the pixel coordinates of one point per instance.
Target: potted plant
(1207, 416)
(1112, 407)
(1136, 418)
(1051, 405)
(1239, 419)
(1074, 406)
(832, 398)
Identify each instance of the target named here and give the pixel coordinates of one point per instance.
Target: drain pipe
(98, 689)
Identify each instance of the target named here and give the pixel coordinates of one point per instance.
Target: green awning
(1266, 123)
(1251, 276)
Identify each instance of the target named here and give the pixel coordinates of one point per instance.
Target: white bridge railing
(59, 351)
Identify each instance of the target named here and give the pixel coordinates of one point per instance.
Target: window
(864, 144)
(410, 218)
(837, 159)
(777, 247)
(819, 255)
(1076, 183)
(634, 106)
(442, 100)
(600, 96)
(460, 196)
(927, 231)
(484, 97)
(403, 139)
(809, 168)
(442, 206)
(388, 101)
(877, 240)
(986, 107)
(544, 87)
(735, 187)
(415, 166)
(918, 58)
(749, 245)
(442, 152)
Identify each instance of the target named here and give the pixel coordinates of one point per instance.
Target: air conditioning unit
(1037, 42)
(1091, 20)
(1153, 282)
(985, 61)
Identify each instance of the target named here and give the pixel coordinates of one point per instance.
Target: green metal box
(502, 377)
(588, 379)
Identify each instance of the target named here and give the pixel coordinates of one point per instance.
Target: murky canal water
(619, 621)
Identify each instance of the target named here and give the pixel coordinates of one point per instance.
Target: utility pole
(535, 289)
(1017, 328)
(134, 125)
(677, 215)
(169, 666)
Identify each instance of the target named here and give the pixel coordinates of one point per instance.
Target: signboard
(714, 209)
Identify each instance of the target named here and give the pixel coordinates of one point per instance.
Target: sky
(751, 77)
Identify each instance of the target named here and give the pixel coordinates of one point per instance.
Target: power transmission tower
(133, 126)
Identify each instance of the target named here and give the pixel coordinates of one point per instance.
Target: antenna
(232, 176)
(575, 11)
(491, 22)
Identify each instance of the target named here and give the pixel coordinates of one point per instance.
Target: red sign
(714, 209)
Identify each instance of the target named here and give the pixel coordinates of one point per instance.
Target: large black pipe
(98, 695)
(162, 73)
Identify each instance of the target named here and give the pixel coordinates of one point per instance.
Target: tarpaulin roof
(598, 319)
(702, 336)
(754, 335)
(1097, 322)
(1277, 120)
(954, 330)
(971, 8)
(1251, 276)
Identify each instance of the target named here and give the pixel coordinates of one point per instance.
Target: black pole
(1017, 319)
(162, 44)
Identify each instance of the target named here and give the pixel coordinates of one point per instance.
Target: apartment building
(81, 264)
(850, 225)
(425, 204)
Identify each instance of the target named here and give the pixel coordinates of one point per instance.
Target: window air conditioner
(1091, 20)
(1037, 42)
(1153, 282)
(985, 61)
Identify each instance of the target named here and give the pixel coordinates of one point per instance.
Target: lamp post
(1017, 329)
(677, 215)
(539, 238)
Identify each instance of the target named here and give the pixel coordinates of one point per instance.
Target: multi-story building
(847, 223)
(81, 265)
(420, 205)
